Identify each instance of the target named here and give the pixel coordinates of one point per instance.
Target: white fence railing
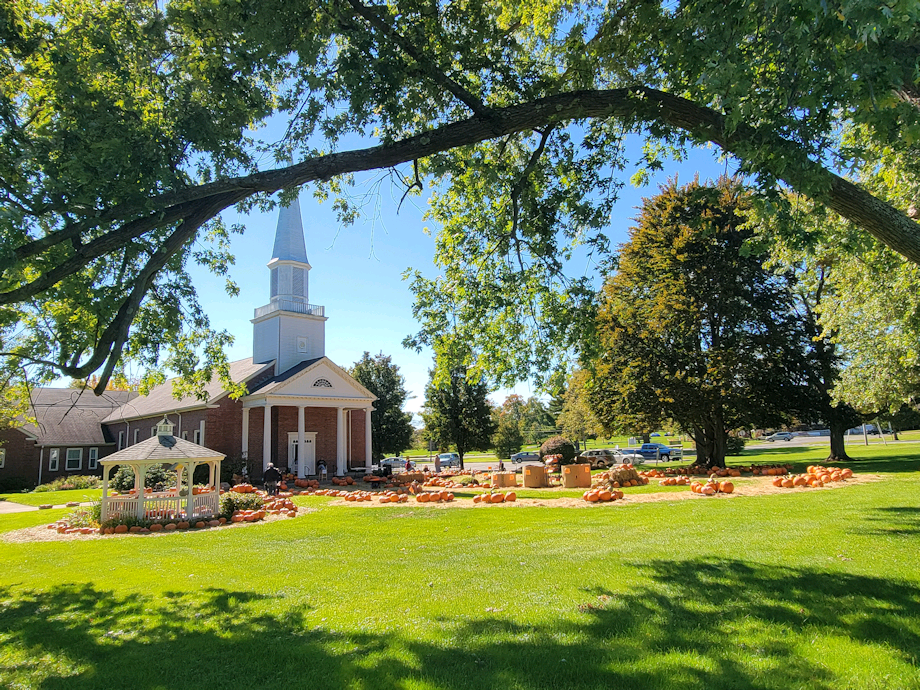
(161, 506)
(290, 305)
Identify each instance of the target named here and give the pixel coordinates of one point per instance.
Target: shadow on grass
(697, 623)
(895, 460)
(893, 521)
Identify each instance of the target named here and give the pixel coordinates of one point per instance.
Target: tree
(577, 419)
(693, 327)
(508, 438)
(458, 413)
(117, 156)
(392, 428)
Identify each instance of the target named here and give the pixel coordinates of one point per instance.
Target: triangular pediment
(322, 379)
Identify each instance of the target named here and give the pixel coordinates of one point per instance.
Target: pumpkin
(707, 490)
(121, 529)
(777, 481)
(511, 496)
(605, 495)
(787, 483)
(498, 498)
(726, 487)
(169, 526)
(476, 499)
(156, 527)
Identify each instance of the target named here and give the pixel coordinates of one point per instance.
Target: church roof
(162, 447)
(271, 384)
(72, 416)
(289, 242)
(160, 399)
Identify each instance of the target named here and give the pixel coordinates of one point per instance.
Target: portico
(313, 414)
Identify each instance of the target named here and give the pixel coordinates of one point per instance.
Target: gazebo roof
(162, 448)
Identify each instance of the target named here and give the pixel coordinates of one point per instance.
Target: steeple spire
(289, 243)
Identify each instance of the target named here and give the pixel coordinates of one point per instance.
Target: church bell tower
(289, 329)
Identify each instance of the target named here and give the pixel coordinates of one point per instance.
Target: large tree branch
(786, 162)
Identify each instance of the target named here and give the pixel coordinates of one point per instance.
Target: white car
(780, 436)
(449, 460)
(397, 463)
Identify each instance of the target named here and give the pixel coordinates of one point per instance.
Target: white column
(190, 496)
(105, 492)
(266, 437)
(140, 476)
(245, 443)
(367, 440)
(339, 442)
(301, 452)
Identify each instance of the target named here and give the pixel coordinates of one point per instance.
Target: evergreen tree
(694, 328)
(392, 428)
(457, 412)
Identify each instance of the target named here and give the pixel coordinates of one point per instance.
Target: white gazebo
(180, 501)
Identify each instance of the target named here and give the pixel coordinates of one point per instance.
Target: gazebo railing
(162, 506)
(207, 504)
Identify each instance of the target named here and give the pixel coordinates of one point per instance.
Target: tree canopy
(127, 127)
(457, 413)
(694, 328)
(392, 428)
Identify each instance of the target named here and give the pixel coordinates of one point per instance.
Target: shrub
(734, 445)
(234, 465)
(77, 481)
(231, 502)
(559, 445)
(158, 478)
(9, 485)
(88, 516)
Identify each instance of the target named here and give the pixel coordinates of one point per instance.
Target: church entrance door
(308, 466)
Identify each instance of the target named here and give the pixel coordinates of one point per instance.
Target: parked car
(780, 436)
(659, 451)
(449, 460)
(598, 459)
(630, 456)
(396, 463)
(525, 456)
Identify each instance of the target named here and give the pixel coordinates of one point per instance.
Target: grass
(801, 590)
(53, 497)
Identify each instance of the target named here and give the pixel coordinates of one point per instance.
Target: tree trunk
(838, 443)
(647, 437)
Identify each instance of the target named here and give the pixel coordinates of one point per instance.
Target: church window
(274, 282)
(322, 383)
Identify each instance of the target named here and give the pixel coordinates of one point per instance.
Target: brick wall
(21, 456)
(321, 420)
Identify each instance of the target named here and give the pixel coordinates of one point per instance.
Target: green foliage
(559, 445)
(392, 428)
(694, 328)
(576, 419)
(457, 413)
(13, 484)
(508, 438)
(234, 465)
(86, 516)
(231, 502)
(734, 445)
(157, 478)
(129, 127)
(77, 481)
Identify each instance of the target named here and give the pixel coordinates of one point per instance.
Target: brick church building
(302, 411)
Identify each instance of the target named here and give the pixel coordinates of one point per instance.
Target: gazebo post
(190, 497)
(140, 474)
(104, 508)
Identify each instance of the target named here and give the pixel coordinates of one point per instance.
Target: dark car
(525, 456)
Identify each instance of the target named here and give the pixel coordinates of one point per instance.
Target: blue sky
(357, 270)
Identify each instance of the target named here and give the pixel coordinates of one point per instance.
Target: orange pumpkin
(510, 497)
(726, 487)
(498, 498)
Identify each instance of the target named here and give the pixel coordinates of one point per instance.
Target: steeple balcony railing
(290, 305)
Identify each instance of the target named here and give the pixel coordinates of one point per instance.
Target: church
(302, 411)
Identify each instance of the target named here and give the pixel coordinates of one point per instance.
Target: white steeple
(289, 329)
(289, 244)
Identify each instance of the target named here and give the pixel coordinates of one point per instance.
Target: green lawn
(800, 590)
(53, 497)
